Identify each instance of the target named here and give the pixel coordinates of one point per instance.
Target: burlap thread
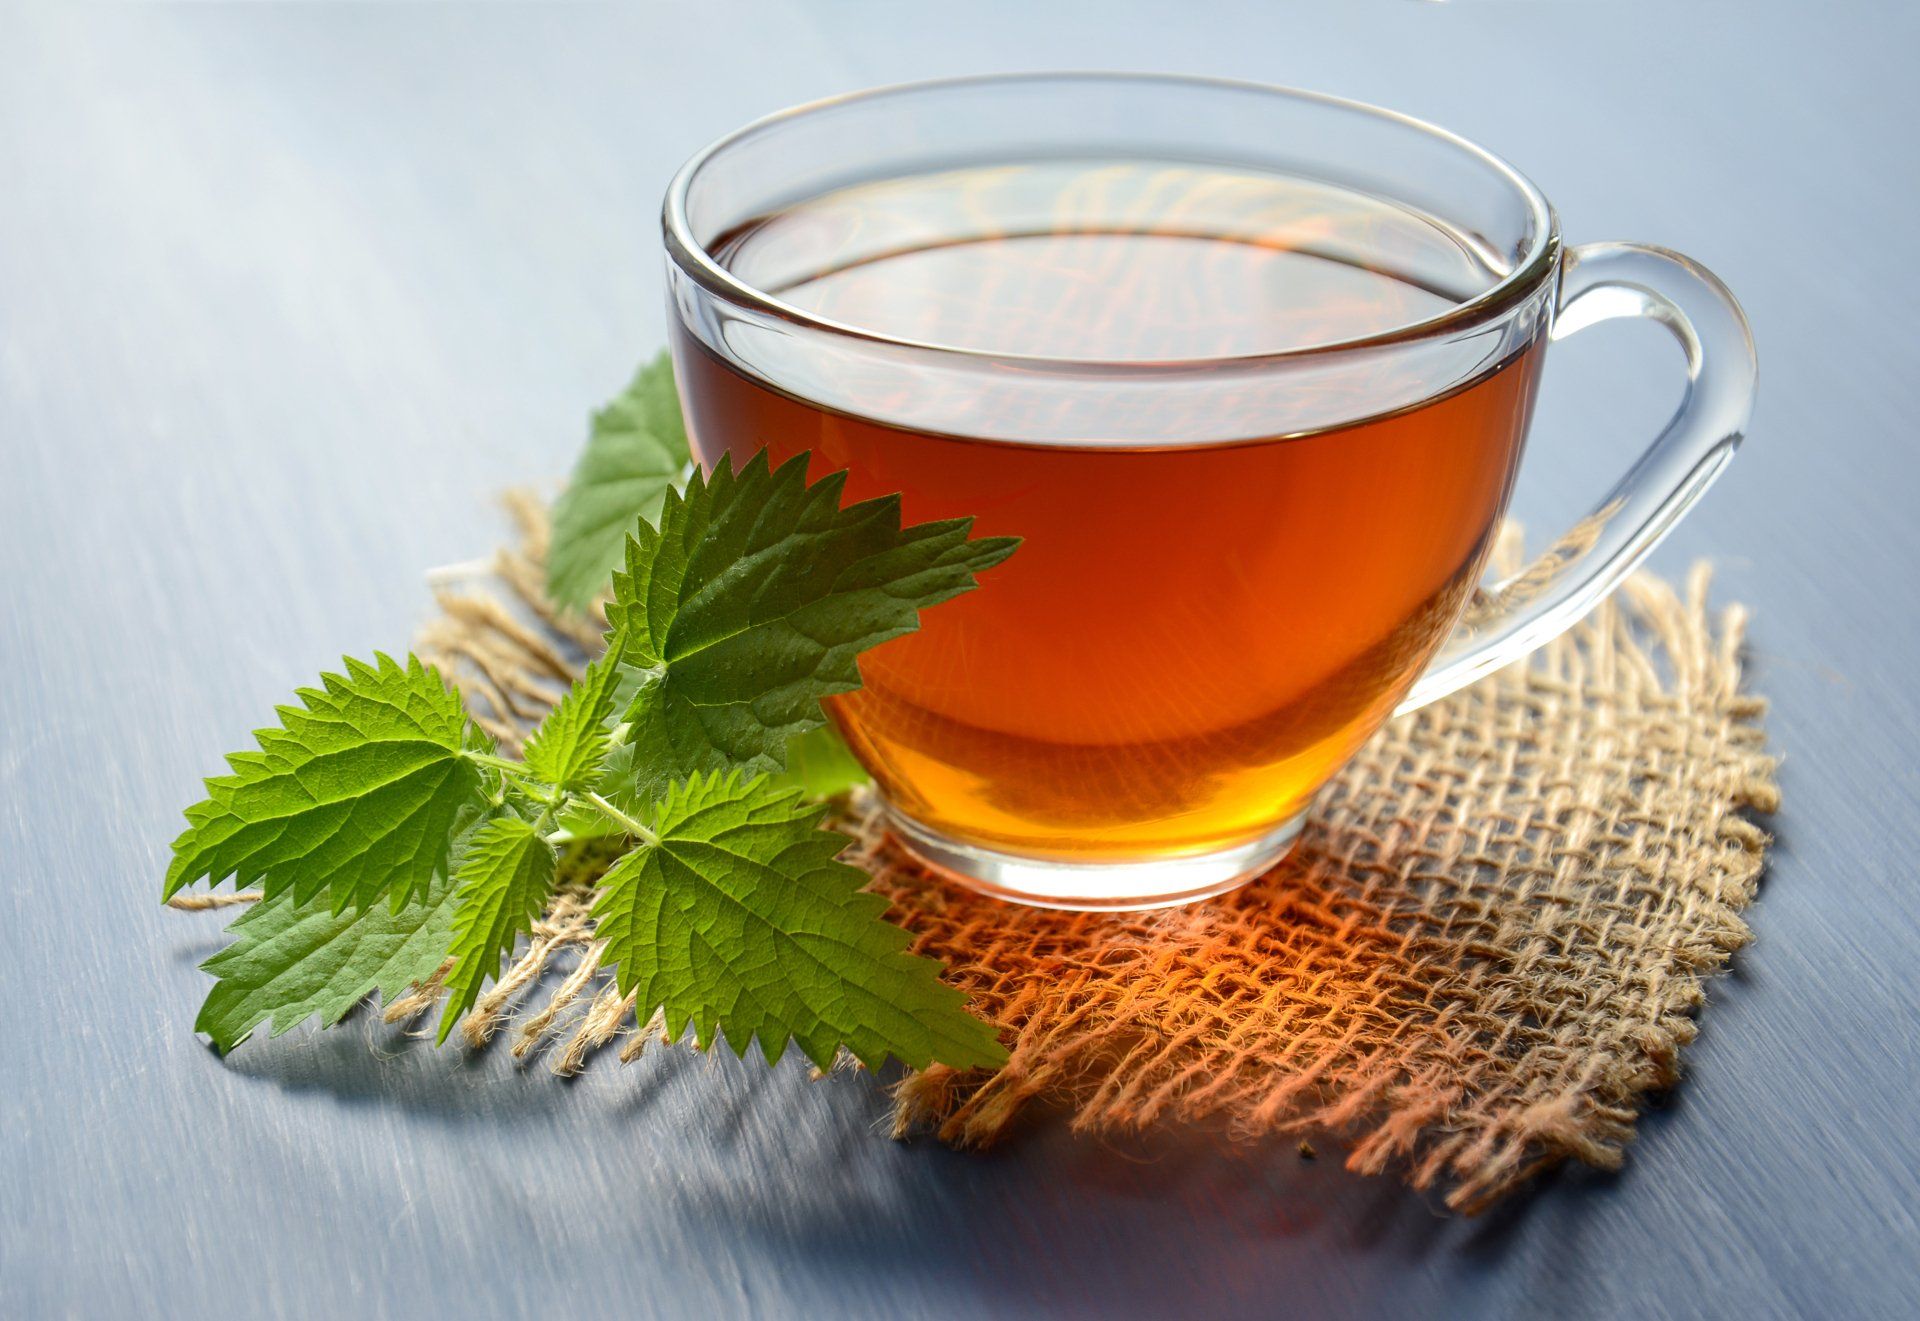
(1485, 954)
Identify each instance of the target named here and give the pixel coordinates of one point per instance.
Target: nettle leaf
(501, 886)
(569, 749)
(752, 601)
(355, 795)
(291, 960)
(740, 919)
(637, 451)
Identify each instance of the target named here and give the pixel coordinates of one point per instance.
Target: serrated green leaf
(637, 451)
(740, 919)
(569, 750)
(752, 601)
(820, 764)
(289, 960)
(500, 887)
(355, 795)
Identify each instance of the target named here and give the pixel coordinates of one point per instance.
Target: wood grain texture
(287, 294)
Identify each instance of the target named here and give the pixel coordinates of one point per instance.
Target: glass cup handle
(1599, 282)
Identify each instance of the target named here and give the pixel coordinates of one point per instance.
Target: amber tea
(1194, 636)
(1248, 368)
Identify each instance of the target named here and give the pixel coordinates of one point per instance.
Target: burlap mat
(1482, 957)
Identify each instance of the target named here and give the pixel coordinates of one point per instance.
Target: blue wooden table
(287, 294)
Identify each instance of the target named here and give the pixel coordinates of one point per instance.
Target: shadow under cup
(1248, 370)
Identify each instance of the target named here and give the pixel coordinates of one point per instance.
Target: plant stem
(538, 790)
(622, 820)
(514, 768)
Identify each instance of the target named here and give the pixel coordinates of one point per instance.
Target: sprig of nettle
(394, 844)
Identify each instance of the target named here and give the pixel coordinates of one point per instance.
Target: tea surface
(1109, 261)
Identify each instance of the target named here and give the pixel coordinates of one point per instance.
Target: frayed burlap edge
(1484, 955)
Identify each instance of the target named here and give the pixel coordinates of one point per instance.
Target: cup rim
(693, 258)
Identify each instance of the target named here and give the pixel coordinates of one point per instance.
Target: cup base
(1118, 886)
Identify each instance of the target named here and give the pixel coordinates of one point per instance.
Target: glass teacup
(1250, 371)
